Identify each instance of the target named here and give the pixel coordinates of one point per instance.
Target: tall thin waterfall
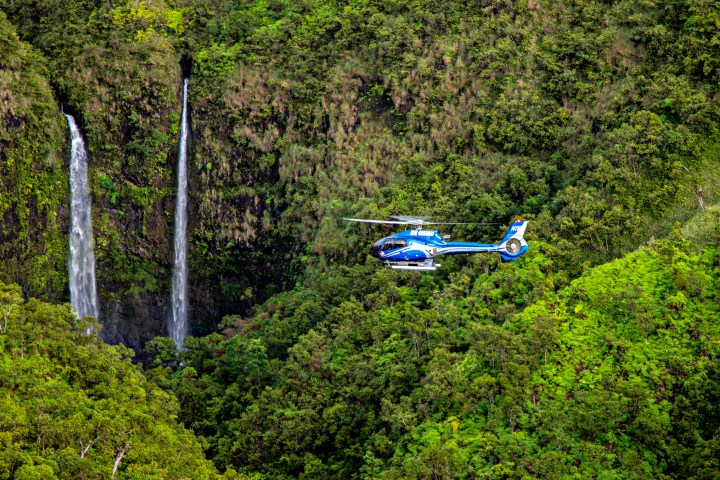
(178, 320)
(82, 259)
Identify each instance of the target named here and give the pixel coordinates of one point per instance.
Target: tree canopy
(72, 406)
(594, 355)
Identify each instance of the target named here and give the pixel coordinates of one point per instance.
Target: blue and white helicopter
(417, 249)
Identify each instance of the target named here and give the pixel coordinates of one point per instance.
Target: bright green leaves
(163, 351)
(146, 18)
(612, 374)
(214, 63)
(579, 114)
(70, 403)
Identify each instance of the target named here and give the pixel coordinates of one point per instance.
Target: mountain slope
(34, 200)
(595, 120)
(365, 373)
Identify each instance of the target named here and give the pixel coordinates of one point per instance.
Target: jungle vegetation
(72, 406)
(594, 356)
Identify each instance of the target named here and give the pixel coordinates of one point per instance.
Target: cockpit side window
(393, 243)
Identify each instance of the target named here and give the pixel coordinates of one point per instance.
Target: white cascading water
(81, 266)
(179, 300)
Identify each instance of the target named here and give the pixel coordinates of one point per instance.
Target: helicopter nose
(375, 249)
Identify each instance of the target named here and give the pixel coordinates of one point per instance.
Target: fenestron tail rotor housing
(513, 246)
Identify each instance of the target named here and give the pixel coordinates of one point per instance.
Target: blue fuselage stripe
(456, 248)
(423, 250)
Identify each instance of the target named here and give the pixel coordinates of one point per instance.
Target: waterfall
(179, 300)
(81, 266)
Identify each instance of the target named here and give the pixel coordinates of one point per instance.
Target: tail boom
(512, 246)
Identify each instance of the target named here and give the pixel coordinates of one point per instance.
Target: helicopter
(417, 248)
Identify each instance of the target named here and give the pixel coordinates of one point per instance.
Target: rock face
(34, 193)
(296, 124)
(133, 320)
(124, 88)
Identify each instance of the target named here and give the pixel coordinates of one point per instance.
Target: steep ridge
(74, 407)
(578, 116)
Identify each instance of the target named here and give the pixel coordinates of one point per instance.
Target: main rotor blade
(365, 220)
(458, 223)
(413, 221)
(410, 219)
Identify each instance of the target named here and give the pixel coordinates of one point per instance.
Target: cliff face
(33, 175)
(302, 113)
(132, 128)
(119, 71)
(128, 96)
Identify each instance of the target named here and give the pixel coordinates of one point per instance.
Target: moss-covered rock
(33, 176)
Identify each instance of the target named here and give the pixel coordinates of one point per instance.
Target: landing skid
(425, 266)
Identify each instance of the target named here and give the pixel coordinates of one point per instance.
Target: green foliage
(32, 178)
(70, 404)
(596, 121)
(583, 117)
(163, 351)
(370, 373)
(481, 112)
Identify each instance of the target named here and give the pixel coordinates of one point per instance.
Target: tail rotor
(513, 244)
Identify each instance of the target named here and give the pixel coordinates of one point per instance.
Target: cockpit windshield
(376, 247)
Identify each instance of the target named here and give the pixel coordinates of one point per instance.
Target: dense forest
(595, 355)
(75, 407)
